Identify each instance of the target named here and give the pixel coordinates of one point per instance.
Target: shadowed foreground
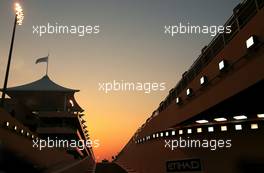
(108, 168)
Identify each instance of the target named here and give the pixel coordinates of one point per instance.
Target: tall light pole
(18, 20)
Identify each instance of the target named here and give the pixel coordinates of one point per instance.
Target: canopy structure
(45, 95)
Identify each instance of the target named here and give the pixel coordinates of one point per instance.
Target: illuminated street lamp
(18, 20)
(19, 14)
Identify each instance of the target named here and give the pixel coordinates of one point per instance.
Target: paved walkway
(108, 168)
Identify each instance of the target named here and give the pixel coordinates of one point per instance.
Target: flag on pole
(44, 59)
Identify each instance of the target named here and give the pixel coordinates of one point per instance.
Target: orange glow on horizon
(112, 124)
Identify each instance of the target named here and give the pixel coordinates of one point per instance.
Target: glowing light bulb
(19, 13)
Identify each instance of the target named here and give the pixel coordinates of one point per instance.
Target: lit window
(167, 134)
(173, 133)
(22, 131)
(32, 136)
(223, 128)
(210, 129)
(220, 119)
(71, 102)
(238, 127)
(161, 134)
(260, 115)
(222, 65)
(157, 135)
(201, 121)
(153, 135)
(203, 80)
(15, 128)
(7, 124)
(27, 134)
(199, 130)
(189, 131)
(178, 100)
(189, 92)
(180, 132)
(254, 126)
(251, 41)
(240, 117)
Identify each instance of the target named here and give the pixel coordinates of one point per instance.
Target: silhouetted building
(45, 110)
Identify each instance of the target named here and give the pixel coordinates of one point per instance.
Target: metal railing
(242, 14)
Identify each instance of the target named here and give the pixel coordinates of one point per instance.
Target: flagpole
(47, 67)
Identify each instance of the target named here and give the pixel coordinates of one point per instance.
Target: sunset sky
(131, 46)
